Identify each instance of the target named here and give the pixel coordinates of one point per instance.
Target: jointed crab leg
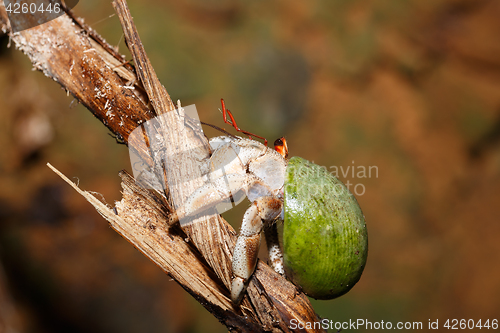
(273, 247)
(264, 210)
(217, 191)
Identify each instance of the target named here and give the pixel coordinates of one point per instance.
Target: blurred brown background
(409, 87)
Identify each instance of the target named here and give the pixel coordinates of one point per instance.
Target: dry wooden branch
(74, 55)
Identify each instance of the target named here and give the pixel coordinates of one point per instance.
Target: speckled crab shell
(325, 240)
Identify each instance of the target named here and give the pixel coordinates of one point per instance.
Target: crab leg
(264, 210)
(209, 195)
(273, 247)
(220, 190)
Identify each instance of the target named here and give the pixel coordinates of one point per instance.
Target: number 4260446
(456, 324)
(24, 8)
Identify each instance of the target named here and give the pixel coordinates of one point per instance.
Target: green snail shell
(325, 241)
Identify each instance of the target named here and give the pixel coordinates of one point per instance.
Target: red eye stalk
(226, 112)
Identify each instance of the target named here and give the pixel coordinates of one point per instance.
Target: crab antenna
(232, 122)
(281, 147)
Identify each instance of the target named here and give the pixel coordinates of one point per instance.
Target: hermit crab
(325, 241)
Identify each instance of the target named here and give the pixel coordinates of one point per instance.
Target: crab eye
(281, 147)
